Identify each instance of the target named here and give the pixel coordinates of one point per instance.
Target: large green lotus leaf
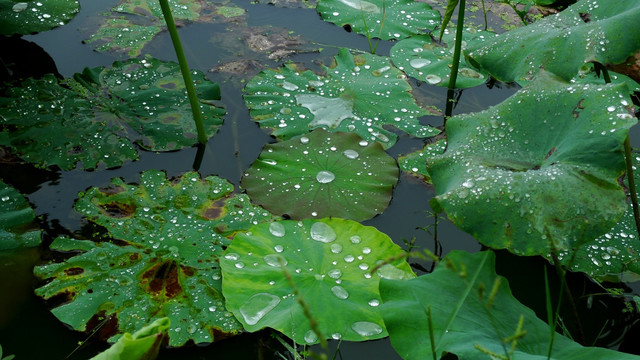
(16, 217)
(590, 30)
(415, 163)
(359, 94)
(93, 117)
(424, 59)
(163, 261)
(384, 19)
(323, 174)
(614, 256)
(144, 344)
(132, 24)
(35, 16)
(329, 262)
(540, 170)
(468, 320)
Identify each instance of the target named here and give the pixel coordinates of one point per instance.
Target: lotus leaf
(384, 19)
(144, 344)
(416, 162)
(329, 263)
(93, 117)
(613, 256)
(323, 174)
(16, 216)
(539, 171)
(424, 59)
(359, 94)
(143, 20)
(594, 30)
(35, 16)
(163, 261)
(468, 319)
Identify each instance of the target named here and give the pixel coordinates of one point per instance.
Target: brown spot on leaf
(162, 279)
(73, 271)
(102, 325)
(118, 210)
(112, 190)
(134, 257)
(172, 282)
(553, 149)
(586, 17)
(187, 270)
(216, 210)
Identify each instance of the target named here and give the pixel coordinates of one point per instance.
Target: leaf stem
(456, 59)
(184, 68)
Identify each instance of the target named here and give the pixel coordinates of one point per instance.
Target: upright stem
(184, 68)
(457, 50)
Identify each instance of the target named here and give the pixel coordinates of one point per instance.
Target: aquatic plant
(28, 17)
(16, 220)
(323, 174)
(144, 344)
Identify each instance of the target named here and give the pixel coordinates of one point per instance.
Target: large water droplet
(336, 248)
(335, 273)
(275, 260)
(289, 86)
(325, 176)
(350, 154)
(304, 140)
(310, 337)
(391, 272)
(433, 79)
(374, 302)
(232, 256)
(21, 6)
(257, 307)
(418, 63)
(270, 161)
(340, 292)
(277, 229)
(322, 232)
(355, 239)
(365, 328)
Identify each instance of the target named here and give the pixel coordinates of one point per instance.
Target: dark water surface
(27, 327)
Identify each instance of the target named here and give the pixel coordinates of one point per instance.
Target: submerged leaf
(329, 263)
(539, 171)
(323, 174)
(360, 94)
(469, 319)
(95, 116)
(590, 30)
(384, 19)
(422, 58)
(164, 261)
(16, 216)
(28, 17)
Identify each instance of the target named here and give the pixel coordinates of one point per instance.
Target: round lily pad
(359, 94)
(16, 219)
(329, 262)
(95, 116)
(30, 17)
(384, 19)
(424, 59)
(323, 174)
(163, 260)
(542, 178)
(595, 30)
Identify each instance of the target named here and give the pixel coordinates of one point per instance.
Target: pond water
(27, 327)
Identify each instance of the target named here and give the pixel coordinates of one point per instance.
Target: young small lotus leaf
(144, 20)
(163, 262)
(543, 177)
(16, 217)
(614, 256)
(590, 30)
(469, 319)
(324, 263)
(144, 344)
(384, 19)
(95, 116)
(323, 174)
(359, 94)
(415, 163)
(424, 59)
(28, 17)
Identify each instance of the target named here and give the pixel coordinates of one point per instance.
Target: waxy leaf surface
(590, 30)
(16, 218)
(538, 171)
(163, 261)
(424, 59)
(359, 94)
(30, 17)
(95, 116)
(383, 19)
(468, 319)
(323, 174)
(329, 262)
(415, 163)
